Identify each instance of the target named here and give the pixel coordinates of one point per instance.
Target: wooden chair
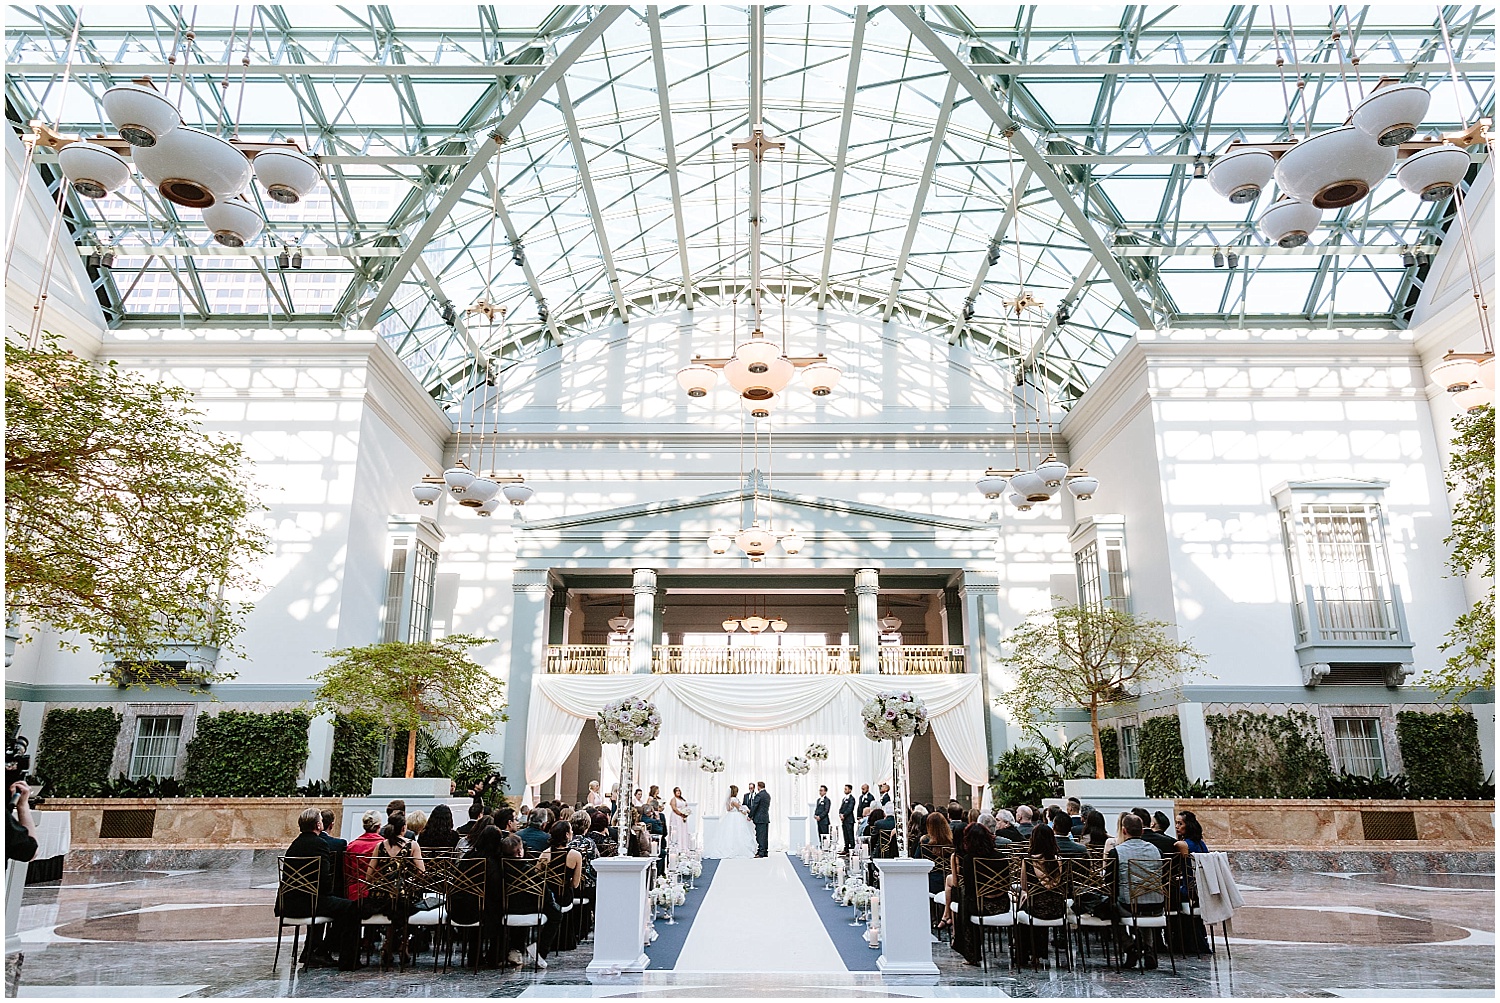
(523, 898)
(1146, 887)
(994, 904)
(425, 885)
(296, 877)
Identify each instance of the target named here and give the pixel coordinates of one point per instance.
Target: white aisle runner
(757, 917)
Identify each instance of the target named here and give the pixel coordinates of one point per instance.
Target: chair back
(1045, 885)
(993, 878)
(389, 882)
(559, 879)
(941, 856)
(297, 886)
(1145, 884)
(523, 885)
(467, 884)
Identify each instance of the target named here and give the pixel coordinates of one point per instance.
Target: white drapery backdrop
(755, 723)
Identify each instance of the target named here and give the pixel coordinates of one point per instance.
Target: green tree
(125, 522)
(1089, 657)
(1471, 477)
(402, 685)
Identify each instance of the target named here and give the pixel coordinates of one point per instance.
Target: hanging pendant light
(192, 168)
(426, 492)
(480, 490)
(821, 377)
(1474, 398)
(1334, 168)
(458, 478)
(143, 115)
(620, 623)
(697, 379)
(792, 543)
(778, 624)
(1391, 114)
(233, 222)
(730, 626)
(1030, 485)
(93, 169)
(1456, 372)
(1434, 173)
(992, 484)
(890, 623)
(516, 492)
(1290, 222)
(1082, 486)
(720, 543)
(755, 541)
(758, 370)
(287, 175)
(1242, 174)
(1022, 502)
(1051, 471)
(755, 623)
(489, 508)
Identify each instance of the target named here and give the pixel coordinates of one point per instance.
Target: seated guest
(416, 821)
(580, 821)
(1133, 855)
(956, 821)
(1006, 827)
(1161, 823)
(505, 820)
(640, 841)
(1165, 845)
(1095, 835)
(396, 807)
(439, 833)
(345, 913)
(1067, 846)
(355, 857)
(962, 903)
(882, 830)
(476, 809)
(1075, 816)
(599, 834)
(936, 840)
(392, 850)
(534, 837)
(1043, 892)
(1024, 817)
(557, 935)
(336, 844)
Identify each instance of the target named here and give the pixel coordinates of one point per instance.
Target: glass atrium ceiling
(927, 193)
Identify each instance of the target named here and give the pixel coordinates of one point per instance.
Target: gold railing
(810, 660)
(921, 659)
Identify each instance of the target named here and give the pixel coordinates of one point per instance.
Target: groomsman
(866, 799)
(821, 812)
(885, 797)
(846, 817)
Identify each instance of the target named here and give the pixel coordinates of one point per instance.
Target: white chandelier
(473, 488)
(755, 623)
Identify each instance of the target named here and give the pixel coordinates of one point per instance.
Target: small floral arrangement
(690, 869)
(824, 868)
(667, 892)
(798, 766)
(689, 753)
(629, 720)
(861, 897)
(711, 764)
(817, 751)
(848, 892)
(894, 714)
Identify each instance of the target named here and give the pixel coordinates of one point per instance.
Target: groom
(760, 814)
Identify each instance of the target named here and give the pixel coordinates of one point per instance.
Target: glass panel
(394, 588)
(1130, 756)
(1087, 563)
(155, 751)
(424, 578)
(1357, 746)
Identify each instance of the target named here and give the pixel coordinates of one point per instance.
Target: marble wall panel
(1234, 824)
(197, 823)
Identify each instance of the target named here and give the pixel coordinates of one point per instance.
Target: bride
(732, 835)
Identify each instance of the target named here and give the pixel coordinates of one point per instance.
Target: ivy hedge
(1021, 777)
(356, 756)
(241, 754)
(1109, 743)
(1441, 753)
(76, 747)
(1162, 764)
(1268, 755)
(12, 723)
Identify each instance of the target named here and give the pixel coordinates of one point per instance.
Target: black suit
(821, 812)
(760, 814)
(846, 819)
(866, 800)
(344, 913)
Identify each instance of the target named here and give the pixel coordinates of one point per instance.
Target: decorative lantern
(1334, 168)
(142, 114)
(1242, 174)
(93, 169)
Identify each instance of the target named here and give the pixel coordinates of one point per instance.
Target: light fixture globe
(1241, 175)
(992, 484)
(1334, 168)
(1020, 501)
(758, 386)
(1455, 373)
(517, 494)
(792, 543)
(93, 169)
(1029, 485)
(1474, 398)
(778, 624)
(479, 491)
(1390, 115)
(489, 508)
(233, 222)
(755, 541)
(757, 354)
(1432, 174)
(426, 493)
(191, 168)
(720, 543)
(620, 624)
(1487, 371)
(697, 379)
(142, 114)
(755, 623)
(730, 626)
(758, 408)
(1052, 471)
(1083, 486)
(458, 478)
(890, 623)
(287, 175)
(1290, 222)
(821, 377)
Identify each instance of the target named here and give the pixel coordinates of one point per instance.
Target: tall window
(154, 753)
(1338, 561)
(1357, 746)
(1099, 559)
(408, 591)
(1130, 751)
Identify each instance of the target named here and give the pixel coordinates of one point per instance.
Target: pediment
(675, 532)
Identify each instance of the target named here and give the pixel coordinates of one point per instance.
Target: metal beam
(846, 120)
(320, 71)
(669, 143)
(1087, 272)
(516, 245)
(1006, 219)
(1190, 70)
(986, 100)
(1305, 251)
(550, 78)
(590, 196)
(939, 133)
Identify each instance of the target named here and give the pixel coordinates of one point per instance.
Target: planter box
(1339, 824)
(187, 823)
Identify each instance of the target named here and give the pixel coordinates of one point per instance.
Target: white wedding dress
(731, 835)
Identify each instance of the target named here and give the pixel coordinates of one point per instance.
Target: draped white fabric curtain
(755, 723)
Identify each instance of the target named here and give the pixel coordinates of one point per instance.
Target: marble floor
(166, 934)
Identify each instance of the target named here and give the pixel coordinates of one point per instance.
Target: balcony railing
(830, 659)
(1321, 619)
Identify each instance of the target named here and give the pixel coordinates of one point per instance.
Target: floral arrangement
(667, 892)
(711, 764)
(824, 868)
(848, 893)
(817, 751)
(861, 897)
(689, 753)
(892, 715)
(629, 720)
(798, 766)
(690, 869)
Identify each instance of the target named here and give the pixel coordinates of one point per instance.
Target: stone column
(643, 584)
(867, 598)
(528, 650)
(1196, 759)
(980, 596)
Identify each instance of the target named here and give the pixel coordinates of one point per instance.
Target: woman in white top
(678, 834)
(732, 836)
(596, 799)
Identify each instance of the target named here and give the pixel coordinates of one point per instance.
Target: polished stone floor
(211, 933)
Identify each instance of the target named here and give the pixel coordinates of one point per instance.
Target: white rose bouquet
(667, 892)
(629, 720)
(689, 753)
(690, 869)
(893, 715)
(817, 751)
(798, 766)
(711, 764)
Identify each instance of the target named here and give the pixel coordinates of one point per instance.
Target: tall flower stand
(621, 914)
(905, 918)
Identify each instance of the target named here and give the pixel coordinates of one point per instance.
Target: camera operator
(20, 829)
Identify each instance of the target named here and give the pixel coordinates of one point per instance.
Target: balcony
(1368, 630)
(820, 660)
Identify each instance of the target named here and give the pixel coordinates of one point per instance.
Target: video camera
(17, 762)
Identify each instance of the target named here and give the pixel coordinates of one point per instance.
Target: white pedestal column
(905, 920)
(796, 831)
(620, 915)
(866, 597)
